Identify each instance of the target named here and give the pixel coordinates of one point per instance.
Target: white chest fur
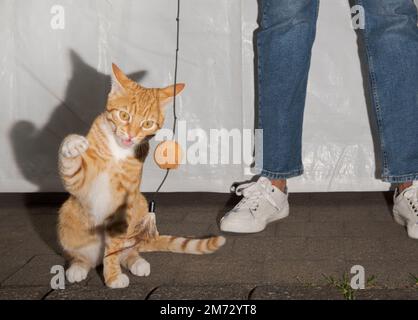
(100, 198)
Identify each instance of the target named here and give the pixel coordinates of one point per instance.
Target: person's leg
(391, 43)
(284, 42)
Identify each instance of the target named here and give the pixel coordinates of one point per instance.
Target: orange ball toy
(167, 155)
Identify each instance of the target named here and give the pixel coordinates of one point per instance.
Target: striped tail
(183, 245)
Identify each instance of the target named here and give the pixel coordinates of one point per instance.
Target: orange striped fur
(182, 245)
(105, 213)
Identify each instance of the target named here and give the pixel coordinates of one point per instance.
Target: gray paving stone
(391, 294)
(295, 293)
(325, 235)
(77, 292)
(309, 229)
(253, 249)
(23, 293)
(203, 215)
(350, 207)
(373, 229)
(330, 248)
(328, 293)
(365, 249)
(225, 292)
(37, 247)
(36, 272)
(368, 211)
(322, 213)
(298, 212)
(185, 229)
(218, 273)
(10, 264)
(305, 272)
(289, 248)
(170, 214)
(404, 249)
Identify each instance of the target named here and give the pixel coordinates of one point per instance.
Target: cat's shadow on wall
(36, 149)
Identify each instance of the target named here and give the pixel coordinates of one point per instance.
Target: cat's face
(135, 112)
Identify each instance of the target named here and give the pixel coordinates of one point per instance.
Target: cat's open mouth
(127, 142)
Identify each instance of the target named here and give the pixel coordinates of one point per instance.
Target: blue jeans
(284, 42)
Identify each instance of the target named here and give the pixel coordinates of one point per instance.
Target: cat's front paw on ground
(76, 273)
(121, 281)
(141, 268)
(73, 146)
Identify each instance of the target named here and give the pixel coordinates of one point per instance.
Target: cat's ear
(166, 94)
(119, 80)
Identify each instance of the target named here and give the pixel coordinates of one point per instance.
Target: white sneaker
(405, 209)
(262, 203)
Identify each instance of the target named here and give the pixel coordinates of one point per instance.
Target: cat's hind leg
(83, 259)
(117, 252)
(135, 263)
(112, 271)
(82, 245)
(77, 272)
(140, 225)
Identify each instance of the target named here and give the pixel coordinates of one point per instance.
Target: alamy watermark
(358, 19)
(58, 279)
(358, 281)
(58, 17)
(215, 146)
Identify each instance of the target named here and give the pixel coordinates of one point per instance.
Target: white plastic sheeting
(54, 81)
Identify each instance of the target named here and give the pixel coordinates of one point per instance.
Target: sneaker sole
(281, 215)
(403, 222)
(399, 219)
(284, 213)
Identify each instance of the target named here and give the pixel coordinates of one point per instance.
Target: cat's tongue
(127, 142)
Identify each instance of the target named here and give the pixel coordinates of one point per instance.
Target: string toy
(148, 225)
(163, 147)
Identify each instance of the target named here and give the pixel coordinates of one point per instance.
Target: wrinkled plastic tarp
(54, 82)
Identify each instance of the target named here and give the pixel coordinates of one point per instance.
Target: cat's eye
(124, 116)
(148, 124)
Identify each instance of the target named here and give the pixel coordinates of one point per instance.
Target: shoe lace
(411, 195)
(252, 192)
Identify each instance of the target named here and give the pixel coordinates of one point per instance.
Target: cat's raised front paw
(73, 146)
(121, 281)
(76, 273)
(141, 268)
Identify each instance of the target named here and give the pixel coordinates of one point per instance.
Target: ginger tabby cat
(103, 219)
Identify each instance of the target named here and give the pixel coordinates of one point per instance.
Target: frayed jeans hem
(280, 175)
(400, 179)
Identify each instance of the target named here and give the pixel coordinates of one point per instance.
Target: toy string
(152, 204)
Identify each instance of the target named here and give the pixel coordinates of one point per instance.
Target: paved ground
(325, 235)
